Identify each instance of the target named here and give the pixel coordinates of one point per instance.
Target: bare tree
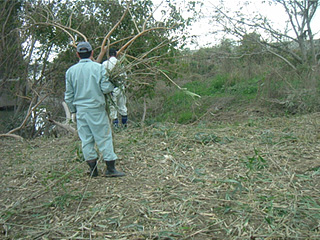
(297, 34)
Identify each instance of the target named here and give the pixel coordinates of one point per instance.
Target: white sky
(202, 28)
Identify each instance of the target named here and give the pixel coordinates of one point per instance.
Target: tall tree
(12, 64)
(10, 41)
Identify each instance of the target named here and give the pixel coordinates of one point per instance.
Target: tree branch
(103, 45)
(64, 126)
(12, 135)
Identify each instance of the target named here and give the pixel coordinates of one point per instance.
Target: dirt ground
(255, 177)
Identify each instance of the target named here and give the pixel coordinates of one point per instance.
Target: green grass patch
(183, 109)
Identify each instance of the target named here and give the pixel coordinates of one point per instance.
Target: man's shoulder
(96, 64)
(72, 67)
(93, 64)
(79, 65)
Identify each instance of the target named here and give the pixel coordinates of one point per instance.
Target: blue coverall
(86, 84)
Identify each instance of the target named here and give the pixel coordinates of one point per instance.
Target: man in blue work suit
(86, 84)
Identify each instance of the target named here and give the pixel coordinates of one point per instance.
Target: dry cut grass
(258, 179)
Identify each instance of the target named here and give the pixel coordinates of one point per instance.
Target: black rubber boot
(93, 167)
(111, 170)
(124, 120)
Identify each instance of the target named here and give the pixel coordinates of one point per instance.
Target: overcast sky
(202, 28)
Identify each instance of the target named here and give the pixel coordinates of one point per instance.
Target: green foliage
(185, 117)
(64, 200)
(255, 163)
(77, 152)
(178, 108)
(181, 108)
(153, 50)
(251, 48)
(209, 86)
(48, 48)
(247, 89)
(245, 72)
(206, 138)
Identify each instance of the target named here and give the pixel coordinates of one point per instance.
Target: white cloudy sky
(202, 28)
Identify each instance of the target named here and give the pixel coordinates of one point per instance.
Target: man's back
(87, 80)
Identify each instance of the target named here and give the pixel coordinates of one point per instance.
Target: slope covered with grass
(254, 179)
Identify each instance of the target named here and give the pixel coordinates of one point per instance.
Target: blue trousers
(94, 127)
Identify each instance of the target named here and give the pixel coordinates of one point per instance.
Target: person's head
(112, 52)
(84, 50)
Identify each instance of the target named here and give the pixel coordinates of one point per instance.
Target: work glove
(116, 91)
(73, 117)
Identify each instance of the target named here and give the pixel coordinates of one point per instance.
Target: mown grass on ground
(256, 179)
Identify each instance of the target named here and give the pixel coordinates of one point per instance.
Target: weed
(185, 117)
(255, 163)
(206, 138)
(77, 152)
(64, 200)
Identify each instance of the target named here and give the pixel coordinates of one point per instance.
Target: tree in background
(293, 72)
(12, 64)
(50, 28)
(297, 34)
(10, 39)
